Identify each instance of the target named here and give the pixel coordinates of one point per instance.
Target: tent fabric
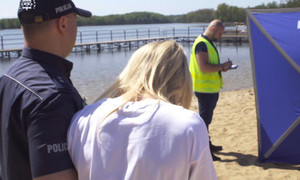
(275, 53)
(288, 33)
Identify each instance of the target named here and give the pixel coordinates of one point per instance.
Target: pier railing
(130, 34)
(86, 39)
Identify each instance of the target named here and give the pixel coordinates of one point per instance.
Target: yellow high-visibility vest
(206, 82)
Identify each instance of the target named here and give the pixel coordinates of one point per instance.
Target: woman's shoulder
(179, 114)
(91, 113)
(177, 109)
(97, 106)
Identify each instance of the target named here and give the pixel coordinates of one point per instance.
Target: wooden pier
(118, 44)
(8, 53)
(129, 43)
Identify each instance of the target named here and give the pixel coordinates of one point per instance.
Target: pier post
(99, 47)
(111, 35)
(137, 33)
(80, 37)
(96, 36)
(19, 53)
(173, 32)
(236, 33)
(124, 34)
(2, 45)
(2, 54)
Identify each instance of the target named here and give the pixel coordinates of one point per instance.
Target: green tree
(204, 15)
(292, 3)
(230, 14)
(222, 12)
(9, 23)
(241, 17)
(272, 5)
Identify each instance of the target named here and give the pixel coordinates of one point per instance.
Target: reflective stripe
(23, 86)
(203, 81)
(206, 76)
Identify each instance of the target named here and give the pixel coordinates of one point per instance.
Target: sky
(165, 7)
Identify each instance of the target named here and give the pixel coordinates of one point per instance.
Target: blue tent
(274, 36)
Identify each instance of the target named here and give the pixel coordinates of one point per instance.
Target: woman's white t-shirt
(144, 140)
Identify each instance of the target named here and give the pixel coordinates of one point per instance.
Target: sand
(234, 126)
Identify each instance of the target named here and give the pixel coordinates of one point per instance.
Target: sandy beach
(234, 126)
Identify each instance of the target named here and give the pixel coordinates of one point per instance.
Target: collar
(202, 35)
(62, 65)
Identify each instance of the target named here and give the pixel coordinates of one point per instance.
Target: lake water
(93, 72)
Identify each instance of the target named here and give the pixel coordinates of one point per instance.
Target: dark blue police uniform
(37, 101)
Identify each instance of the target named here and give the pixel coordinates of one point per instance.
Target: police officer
(37, 97)
(205, 69)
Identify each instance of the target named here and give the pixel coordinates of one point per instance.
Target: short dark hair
(30, 30)
(218, 24)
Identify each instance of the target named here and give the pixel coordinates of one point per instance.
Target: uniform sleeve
(201, 47)
(46, 130)
(201, 163)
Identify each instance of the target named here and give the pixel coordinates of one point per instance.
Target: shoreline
(234, 126)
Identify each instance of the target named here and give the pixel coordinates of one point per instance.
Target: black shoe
(215, 158)
(214, 148)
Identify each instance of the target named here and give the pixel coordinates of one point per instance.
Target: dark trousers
(207, 103)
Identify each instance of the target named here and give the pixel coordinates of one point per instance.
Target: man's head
(215, 30)
(50, 25)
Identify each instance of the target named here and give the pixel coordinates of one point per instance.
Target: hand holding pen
(226, 65)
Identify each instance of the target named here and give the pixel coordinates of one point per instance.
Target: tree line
(224, 12)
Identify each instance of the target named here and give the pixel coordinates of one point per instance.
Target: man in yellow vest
(205, 68)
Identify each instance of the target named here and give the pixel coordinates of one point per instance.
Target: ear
(62, 24)
(214, 28)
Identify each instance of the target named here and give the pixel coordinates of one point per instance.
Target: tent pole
(254, 78)
(282, 138)
(278, 10)
(281, 51)
(251, 19)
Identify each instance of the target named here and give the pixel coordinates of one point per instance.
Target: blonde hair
(159, 70)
